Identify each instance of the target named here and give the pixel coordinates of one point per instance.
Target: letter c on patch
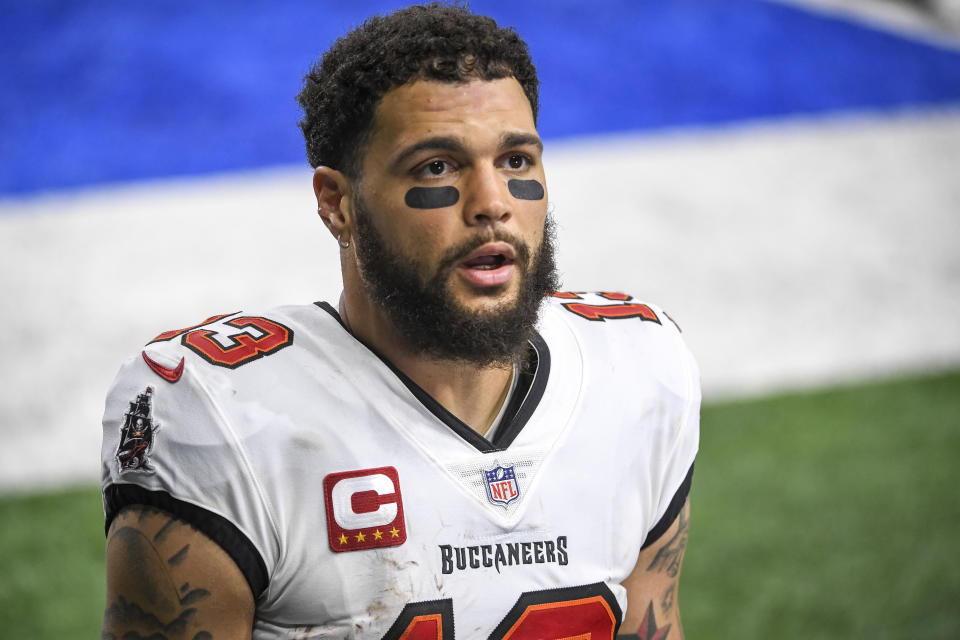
(344, 509)
(364, 509)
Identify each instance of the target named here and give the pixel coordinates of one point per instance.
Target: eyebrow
(520, 140)
(448, 143)
(440, 143)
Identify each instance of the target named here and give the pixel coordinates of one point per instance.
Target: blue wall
(113, 90)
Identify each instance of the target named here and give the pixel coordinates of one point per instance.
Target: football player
(454, 449)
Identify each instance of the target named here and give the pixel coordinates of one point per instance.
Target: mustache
(458, 253)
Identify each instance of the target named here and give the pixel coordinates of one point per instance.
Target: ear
(332, 189)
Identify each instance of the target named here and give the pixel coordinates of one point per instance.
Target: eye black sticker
(432, 197)
(525, 189)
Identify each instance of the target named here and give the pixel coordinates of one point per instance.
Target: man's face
(450, 218)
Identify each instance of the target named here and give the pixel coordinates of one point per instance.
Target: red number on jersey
(590, 612)
(257, 337)
(432, 620)
(615, 295)
(169, 335)
(603, 312)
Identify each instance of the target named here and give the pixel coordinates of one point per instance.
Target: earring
(343, 245)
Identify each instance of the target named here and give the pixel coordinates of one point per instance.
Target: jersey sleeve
(644, 381)
(680, 446)
(168, 445)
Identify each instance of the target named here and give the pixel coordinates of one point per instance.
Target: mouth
(489, 266)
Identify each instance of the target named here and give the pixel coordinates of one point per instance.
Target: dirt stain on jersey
(306, 441)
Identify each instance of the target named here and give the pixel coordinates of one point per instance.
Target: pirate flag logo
(137, 434)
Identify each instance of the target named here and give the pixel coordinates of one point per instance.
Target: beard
(425, 312)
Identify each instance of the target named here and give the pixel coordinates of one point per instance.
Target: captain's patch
(364, 509)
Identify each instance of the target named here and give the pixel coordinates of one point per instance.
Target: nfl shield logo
(502, 487)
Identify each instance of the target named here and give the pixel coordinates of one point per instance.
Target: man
(444, 454)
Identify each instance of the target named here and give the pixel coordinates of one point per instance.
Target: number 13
(588, 612)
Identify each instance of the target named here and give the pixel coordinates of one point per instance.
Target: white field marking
(793, 254)
(939, 26)
(88, 277)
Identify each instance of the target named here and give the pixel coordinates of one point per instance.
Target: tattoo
(164, 530)
(179, 556)
(194, 596)
(129, 614)
(148, 605)
(140, 560)
(648, 628)
(189, 596)
(133, 635)
(666, 603)
(670, 555)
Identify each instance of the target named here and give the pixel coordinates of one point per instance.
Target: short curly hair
(435, 41)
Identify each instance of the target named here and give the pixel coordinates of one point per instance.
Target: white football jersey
(358, 507)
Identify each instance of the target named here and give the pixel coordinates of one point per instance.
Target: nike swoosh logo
(168, 374)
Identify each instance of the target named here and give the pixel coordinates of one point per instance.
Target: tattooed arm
(652, 610)
(168, 581)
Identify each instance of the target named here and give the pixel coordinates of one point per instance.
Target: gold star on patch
(361, 537)
(377, 535)
(343, 539)
(394, 532)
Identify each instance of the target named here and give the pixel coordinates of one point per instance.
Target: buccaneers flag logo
(137, 434)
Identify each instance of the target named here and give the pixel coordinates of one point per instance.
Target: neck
(471, 392)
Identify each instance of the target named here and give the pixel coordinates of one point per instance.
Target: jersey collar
(534, 373)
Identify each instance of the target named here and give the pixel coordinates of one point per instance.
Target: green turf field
(820, 515)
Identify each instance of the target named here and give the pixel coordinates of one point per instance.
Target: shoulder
(613, 318)
(188, 410)
(192, 373)
(233, 340)
(639, 375)
(624, 337)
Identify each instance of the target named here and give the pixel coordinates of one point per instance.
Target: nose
(486, 201)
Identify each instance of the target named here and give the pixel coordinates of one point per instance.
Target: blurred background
(782, 177)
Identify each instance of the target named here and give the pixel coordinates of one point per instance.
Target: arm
(652, 609)
(166, 580)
